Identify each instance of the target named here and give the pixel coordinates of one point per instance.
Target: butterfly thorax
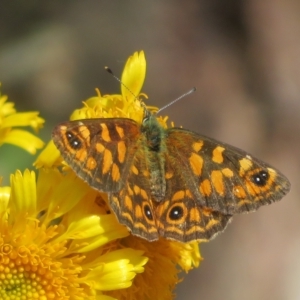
(154, 134)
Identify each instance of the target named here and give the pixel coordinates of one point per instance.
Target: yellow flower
(162, 269)
(57, 241)
(165, 258)
(9, 119)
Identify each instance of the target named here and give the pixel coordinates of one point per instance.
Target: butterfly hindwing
(133, 205)
(182, 217)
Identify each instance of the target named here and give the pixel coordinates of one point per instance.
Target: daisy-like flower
(56, 241)
(9, 119)
(155, 279)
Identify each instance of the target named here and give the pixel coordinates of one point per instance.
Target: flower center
(19, 282)
(26, 276)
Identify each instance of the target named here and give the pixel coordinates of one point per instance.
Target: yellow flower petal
(48, 157)
(189, 255)
(23, 194)
(6, 108)
(22, 139)
(106, 224)
(4, 200)
(116, 270)
(23, 119)
(133, 75)
(82, 229)
(118, 232)
(70, 187)
(47, 179)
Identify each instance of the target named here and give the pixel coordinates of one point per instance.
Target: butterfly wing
(100, 151)
(207, 182)
(181, 216)
(111, 156)
(133, 204)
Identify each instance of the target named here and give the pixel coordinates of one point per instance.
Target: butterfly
(170, 183)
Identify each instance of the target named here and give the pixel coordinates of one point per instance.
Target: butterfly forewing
(222, 177)
(100, 151)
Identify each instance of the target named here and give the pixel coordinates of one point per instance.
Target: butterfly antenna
(174, 101)
(118, 79)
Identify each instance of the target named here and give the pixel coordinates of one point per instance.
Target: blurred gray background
(244, 59)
